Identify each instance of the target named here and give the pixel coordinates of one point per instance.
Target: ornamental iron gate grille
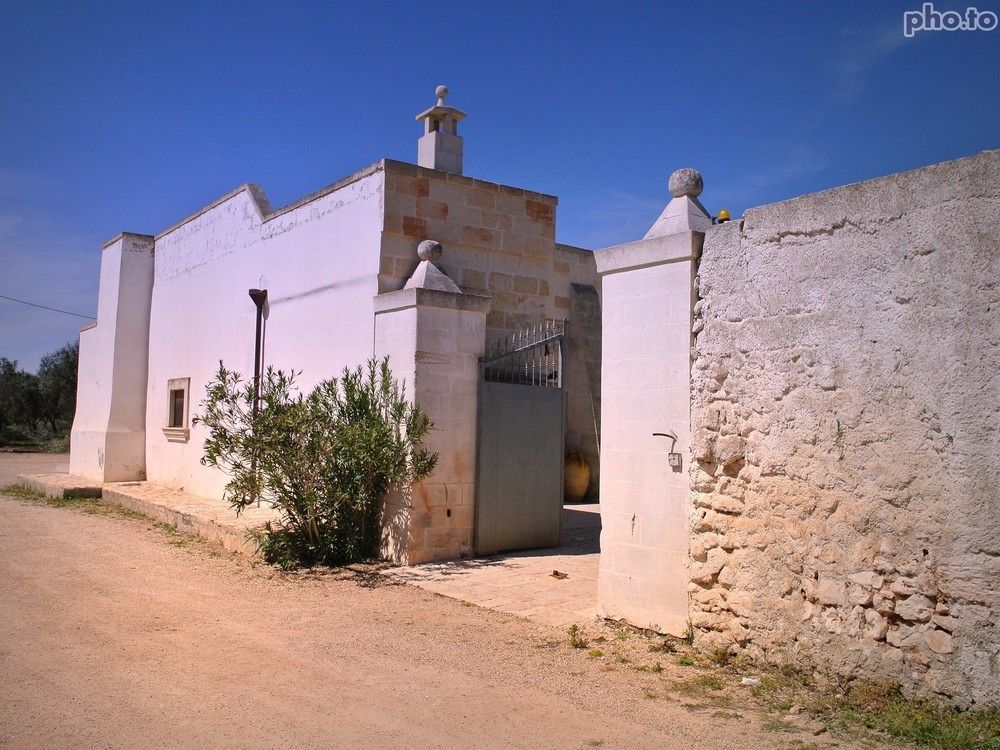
(519, 474)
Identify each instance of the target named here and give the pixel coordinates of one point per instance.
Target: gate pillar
(434, 335)
(647, 312)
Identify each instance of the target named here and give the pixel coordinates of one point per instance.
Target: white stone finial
(686, 181)
(441, 92)
(684, 213)
(427, 275)
(429, 250)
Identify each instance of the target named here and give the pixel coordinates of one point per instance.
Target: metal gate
(519, 467)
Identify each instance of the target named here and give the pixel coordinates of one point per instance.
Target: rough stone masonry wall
(846, 421)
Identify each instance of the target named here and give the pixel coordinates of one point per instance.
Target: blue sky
(129, 116)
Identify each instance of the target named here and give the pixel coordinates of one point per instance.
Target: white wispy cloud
(775, 181)
(612, 217)
(862, 51)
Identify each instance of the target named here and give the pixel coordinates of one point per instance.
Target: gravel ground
(115, 632)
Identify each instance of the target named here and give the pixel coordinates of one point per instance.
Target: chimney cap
(441, 109)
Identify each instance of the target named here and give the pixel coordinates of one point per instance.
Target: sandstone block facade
(499, 241)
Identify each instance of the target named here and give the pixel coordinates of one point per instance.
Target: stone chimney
(440, 147)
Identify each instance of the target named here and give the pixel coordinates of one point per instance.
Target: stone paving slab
(60, 485)
(206, 517)
(522, 583)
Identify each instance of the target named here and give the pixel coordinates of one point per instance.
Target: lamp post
(259, 297)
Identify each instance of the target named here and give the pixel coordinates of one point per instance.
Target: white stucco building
(796, 411)
(173, 305)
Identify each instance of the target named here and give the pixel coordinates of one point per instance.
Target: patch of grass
(689, 633)
(576, 639)
(726, 715)
(783, 688)
(175, 538)
(880, 706)
(654, 668)
(776, 725)
(878, 710)
(700, 685)
(649, 693)
(21, 492)
(719, 656)
(664, 647)
(94, 507)
(596, 653)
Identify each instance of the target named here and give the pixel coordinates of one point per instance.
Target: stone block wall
(846, 431)
(498, 241)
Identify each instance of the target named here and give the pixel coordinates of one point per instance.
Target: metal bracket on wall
(673, 458)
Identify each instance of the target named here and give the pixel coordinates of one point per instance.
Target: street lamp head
(259, 297)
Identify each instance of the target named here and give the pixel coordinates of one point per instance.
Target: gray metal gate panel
(519, 475)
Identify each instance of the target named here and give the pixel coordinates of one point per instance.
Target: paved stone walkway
(522, 583)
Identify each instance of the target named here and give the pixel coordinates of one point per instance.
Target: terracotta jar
(576, 477)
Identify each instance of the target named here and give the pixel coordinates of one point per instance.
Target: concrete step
(208, 518)
(60, 485)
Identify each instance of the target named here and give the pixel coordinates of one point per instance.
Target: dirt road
(114, 633)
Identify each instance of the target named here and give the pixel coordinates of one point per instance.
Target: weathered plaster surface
(846, 422)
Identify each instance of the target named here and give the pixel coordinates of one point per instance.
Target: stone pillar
(108, 440)
(647, 310)
(434, 335)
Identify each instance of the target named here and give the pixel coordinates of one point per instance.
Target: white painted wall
(319, 261)
(108, 436)
(645, 380)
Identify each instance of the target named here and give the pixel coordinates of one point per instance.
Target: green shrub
(324, 460)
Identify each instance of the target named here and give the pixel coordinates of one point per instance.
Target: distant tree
(57, 386)
(19, 396)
